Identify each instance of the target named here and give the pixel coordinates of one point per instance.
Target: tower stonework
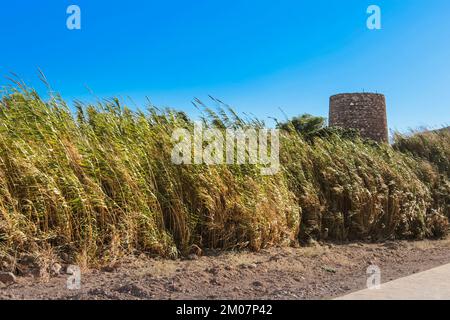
(365, 112)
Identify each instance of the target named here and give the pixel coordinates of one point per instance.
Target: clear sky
(259, 56)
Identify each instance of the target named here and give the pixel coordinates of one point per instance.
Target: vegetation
(89, 187)
(306, 125)
(433, 146)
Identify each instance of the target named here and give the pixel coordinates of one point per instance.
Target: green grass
(93, 186)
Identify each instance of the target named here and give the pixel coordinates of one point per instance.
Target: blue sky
(259, 56)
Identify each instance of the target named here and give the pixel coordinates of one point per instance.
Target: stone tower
(365, 112)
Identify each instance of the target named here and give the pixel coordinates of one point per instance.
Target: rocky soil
(318, 272)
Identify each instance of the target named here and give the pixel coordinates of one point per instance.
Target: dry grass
(92, 187)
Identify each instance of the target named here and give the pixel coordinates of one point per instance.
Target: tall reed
(93, 185)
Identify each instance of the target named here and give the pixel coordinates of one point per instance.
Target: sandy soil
(319, 272)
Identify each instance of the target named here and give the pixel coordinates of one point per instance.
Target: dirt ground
(319, 272)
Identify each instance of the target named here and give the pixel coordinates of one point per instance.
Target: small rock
(7, 278)
(257, 283)
(56, 269)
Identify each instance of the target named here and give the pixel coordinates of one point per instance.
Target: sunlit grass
(92, 186)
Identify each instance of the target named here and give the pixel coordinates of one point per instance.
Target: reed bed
(90, 186)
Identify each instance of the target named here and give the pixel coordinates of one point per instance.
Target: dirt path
(319, 272)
